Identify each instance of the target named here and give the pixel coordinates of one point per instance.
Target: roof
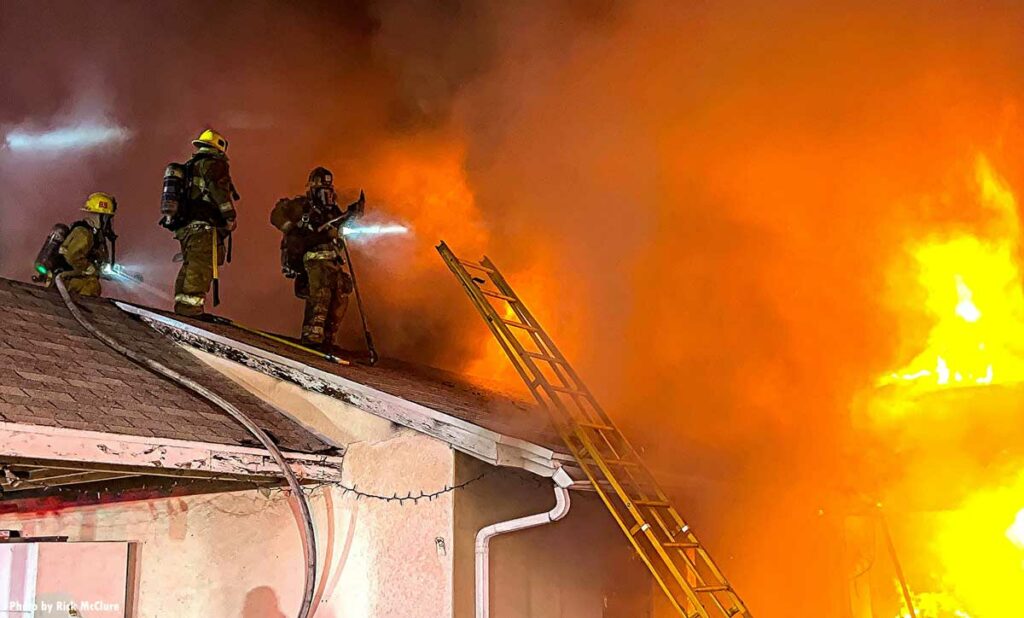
(450, 393)
(53, 373)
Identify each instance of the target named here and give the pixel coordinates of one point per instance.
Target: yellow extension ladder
(679, 563)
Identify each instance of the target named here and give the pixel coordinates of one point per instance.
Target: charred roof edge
(58, 443)
(479, 442)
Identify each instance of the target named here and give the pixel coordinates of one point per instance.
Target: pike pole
(359, 301)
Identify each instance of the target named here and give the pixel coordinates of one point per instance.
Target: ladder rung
(655, 503)
(532, 329)
(544, 357)
(497, 295)
(596, 426)
(686, 545)
(566, 390)
(640, 527)
(715, 588)
(476, 266)
(612, 462)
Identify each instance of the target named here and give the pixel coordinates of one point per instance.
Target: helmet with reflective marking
(101, 203)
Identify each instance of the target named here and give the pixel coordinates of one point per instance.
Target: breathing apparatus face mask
(106, 225)
(324, 195)
(95, 220)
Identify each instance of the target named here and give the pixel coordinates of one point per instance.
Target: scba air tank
(174, 193)
(49, 259)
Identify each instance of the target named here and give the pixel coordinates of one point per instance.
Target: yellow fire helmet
(211, 138)
(101, 203)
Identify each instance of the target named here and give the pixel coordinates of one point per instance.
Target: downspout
(483, 537)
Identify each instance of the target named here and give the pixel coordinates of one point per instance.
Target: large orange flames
(974, 549)
(974, 292)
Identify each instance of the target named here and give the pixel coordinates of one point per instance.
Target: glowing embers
(974, 298)
(65, 138)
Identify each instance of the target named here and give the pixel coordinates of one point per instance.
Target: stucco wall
(579, 567)
(239, 555)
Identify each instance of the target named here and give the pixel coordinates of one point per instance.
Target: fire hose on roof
(306, 529)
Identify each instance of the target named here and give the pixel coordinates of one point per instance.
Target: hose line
(306, 527)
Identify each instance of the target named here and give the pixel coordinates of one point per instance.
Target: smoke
(711, 204)
(705, 204)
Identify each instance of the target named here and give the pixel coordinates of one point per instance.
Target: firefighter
(309, 254)
(85, 249)
(203, 222)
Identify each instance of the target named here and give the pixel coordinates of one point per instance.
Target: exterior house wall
(239, 554)
(403, 551)
(578, 567)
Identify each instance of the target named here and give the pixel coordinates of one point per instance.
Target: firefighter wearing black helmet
(309, 254)
(203, 222)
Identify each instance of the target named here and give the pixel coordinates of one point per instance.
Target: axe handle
(216, 270)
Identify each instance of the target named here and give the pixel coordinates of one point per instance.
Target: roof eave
(181, 456)
(479, 442)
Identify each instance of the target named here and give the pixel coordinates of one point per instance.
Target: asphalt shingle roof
(52, 372)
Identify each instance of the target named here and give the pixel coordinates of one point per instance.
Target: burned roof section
(53, 373)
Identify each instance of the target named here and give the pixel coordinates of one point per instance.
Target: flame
(934, 605)
(972, 286)
(974, 296)
(1016, 531)
(980, 551)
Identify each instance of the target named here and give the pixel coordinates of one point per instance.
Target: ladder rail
(644, 526)
(680, 564)
(691, 572)
(502, 284)
(544, 343)
(457, 266)
(640, 550)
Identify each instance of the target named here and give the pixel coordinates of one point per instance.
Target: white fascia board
(85, 447)
(479, 442)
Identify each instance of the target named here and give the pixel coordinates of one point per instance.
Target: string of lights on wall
(273, 493)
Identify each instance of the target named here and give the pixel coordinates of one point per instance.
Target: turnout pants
(84, 285)
(327, 301)
(193, 283)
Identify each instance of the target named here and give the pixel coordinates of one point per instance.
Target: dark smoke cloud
(704, 201)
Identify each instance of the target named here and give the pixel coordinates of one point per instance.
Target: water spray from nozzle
(77, 137)
(374, 230)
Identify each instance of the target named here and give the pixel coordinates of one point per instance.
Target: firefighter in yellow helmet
(202, 219)
(86, 249)
(309, 254)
